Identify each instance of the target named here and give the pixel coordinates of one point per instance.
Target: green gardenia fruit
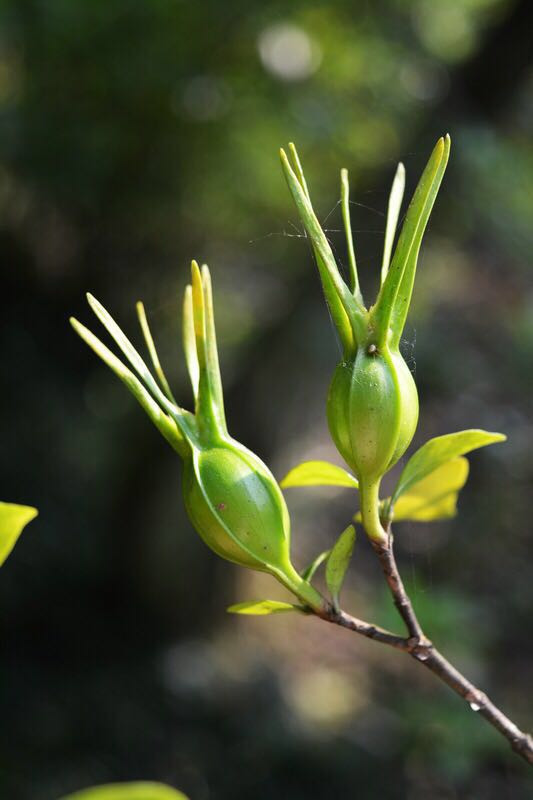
(231, 497)
(372, 405)
(372, 410)
(235, 505)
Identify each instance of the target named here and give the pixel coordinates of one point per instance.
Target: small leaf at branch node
(308, 573)
(318, 473)
(262, 608)
(438, 451)
(338, 562)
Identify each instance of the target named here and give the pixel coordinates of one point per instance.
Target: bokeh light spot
(288, 52)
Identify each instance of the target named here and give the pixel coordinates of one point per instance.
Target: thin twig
(419, 647)
(329, 614)
(422, 649)
(401, 599)
(522, 743)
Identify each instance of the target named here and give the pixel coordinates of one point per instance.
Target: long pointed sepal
(210, 400)
(345, 205)
(189, 341)
(148, 338)
(348, 318)
(128, 349)
(179, 415)
(161, 420)
(393, 212)
(390, 312)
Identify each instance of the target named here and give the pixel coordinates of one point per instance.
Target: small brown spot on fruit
(221, 506)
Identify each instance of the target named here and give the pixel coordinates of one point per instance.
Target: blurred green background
(135, 136)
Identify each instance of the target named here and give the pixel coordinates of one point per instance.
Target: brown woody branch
(338, 617)
(422, 650)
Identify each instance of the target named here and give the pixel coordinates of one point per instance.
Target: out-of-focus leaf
(261, 608)
(434, 497)
(128, 791)
(438, 451)
(318, 473)
(13, 520)
(309, 571)
(338, 561)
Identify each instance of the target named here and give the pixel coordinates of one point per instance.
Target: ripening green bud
(372, 405)
(231, 497)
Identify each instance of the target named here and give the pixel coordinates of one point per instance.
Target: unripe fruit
(372, 410)
(236, 506)
(231, 497)
(372, 405)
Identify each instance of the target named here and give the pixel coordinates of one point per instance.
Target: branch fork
(422, 649)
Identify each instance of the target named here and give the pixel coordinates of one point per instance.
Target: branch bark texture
(418, 646)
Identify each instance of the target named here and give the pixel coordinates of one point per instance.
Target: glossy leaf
(128, 791)
(13, 520)
(318, 473)
(261, 608)
(338, 561)
(438, 451)
(435, 496)
(309, 572)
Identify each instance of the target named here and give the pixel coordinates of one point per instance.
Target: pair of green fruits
(231, 497)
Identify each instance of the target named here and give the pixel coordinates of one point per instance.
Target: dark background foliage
(135, 136)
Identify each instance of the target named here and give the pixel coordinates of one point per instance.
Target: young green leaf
(318, 473)
(309, 572)
(261, 608)
(435, 496)
(438, 451)
(338, 561)
(13, 520)
(128, 791)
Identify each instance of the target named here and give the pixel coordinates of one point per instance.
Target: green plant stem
(303, 590)
(369, 498)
